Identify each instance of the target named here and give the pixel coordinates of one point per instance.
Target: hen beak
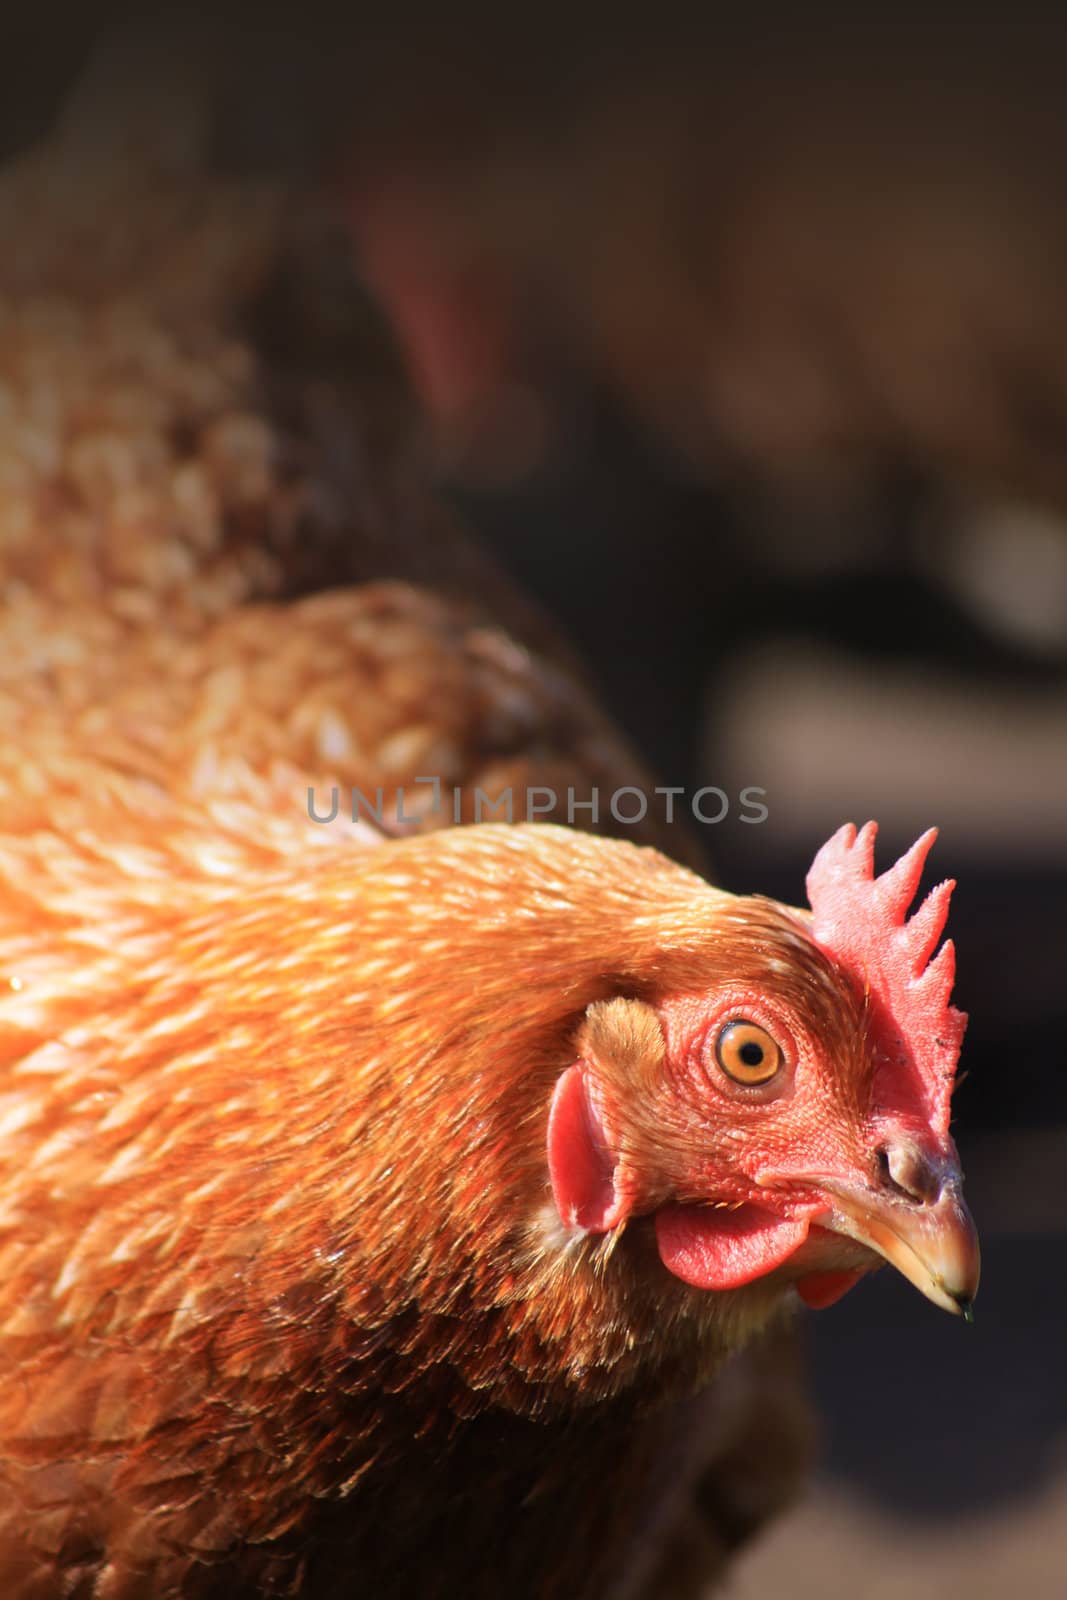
(919, 1223)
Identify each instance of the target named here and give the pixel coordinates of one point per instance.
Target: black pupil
(751, 1053)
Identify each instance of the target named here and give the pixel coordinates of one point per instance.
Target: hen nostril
(905, 1169)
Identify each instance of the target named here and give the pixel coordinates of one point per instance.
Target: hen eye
(746, 1052)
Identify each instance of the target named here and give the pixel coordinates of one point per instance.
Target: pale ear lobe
(581, 1165)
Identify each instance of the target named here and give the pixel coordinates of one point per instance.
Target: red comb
(861, 922)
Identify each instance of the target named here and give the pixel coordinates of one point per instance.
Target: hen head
(794, 1095)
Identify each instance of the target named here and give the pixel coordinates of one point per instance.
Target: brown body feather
(282, 1308)
(278, 1245)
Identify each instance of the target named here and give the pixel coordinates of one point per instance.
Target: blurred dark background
(848, 587)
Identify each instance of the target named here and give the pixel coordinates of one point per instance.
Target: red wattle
(720, 1249)
(821, 1289)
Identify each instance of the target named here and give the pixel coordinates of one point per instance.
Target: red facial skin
(745, 1181)
(747, 1136)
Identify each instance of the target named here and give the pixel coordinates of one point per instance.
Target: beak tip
(934, 1245)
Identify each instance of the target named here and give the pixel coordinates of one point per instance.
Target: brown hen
(373, 1209)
